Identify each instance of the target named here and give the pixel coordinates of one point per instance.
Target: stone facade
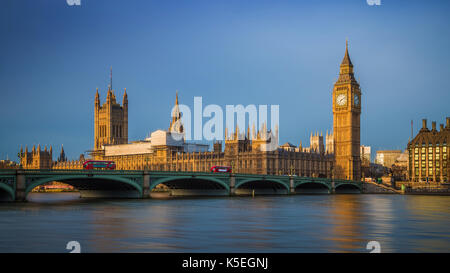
(387, 158)
(37, 159)
(429, 155)
(366, 153)
(245, 155)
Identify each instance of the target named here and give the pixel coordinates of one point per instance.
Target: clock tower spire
(346, 122)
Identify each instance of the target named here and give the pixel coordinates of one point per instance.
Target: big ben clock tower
(346, 122)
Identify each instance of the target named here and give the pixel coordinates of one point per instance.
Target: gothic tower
(175, 124)
(346, 122)
(110, 120)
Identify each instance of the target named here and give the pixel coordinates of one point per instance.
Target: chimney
(433, 125)
(424, 123)
(448, 123)
(441, 127)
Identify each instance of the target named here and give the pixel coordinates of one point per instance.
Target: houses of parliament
(244, 150)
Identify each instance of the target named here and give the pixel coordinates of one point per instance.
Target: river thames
(298, 223)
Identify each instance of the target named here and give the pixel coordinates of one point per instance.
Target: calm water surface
(300, 223)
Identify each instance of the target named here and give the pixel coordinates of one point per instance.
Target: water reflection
(381, 221)
(299, 223)
(346, 219)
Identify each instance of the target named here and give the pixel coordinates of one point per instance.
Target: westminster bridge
(16, 184)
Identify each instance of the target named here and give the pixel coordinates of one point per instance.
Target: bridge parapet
(18, 183)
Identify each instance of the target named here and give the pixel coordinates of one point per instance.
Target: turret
(62, 156)
(125, 98)
(97, 99)
(109, 95)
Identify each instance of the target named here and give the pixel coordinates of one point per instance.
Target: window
(416, 157)
(416, 150)
(430, 171)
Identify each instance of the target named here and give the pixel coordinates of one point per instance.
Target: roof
(287, 144)
(346, 60)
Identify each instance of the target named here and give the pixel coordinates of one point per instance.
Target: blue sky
(53, 57)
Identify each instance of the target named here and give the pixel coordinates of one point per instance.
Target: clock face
(356, 100)
(341, 99)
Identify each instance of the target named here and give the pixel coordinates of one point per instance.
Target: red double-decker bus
(221, 169)
(99, 165)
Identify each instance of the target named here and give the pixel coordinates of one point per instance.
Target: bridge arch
(347, 188)
(261, 186)
(77, 180)
(6, 193)
(165, 180)
(312, 187)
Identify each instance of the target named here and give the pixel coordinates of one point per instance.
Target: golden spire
(125, 97)
(97, 97)
(346, 61)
